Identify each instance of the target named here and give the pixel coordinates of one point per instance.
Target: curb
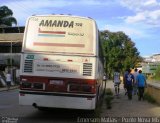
(11, 88)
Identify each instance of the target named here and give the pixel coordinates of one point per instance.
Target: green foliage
(119, 51)
(157, 74)
(108, 91)
(6, 18)
(149, 98)
(108, 98)
(9, 62)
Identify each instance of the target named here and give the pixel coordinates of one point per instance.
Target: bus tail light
(81, 88)
(92, 83)
(32, 86)
(93, 89)
(38, 86)
(86, 88)
(26, 85)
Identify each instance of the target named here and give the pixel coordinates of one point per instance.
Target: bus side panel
(99, 72)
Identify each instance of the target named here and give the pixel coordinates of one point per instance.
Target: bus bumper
(52, 100)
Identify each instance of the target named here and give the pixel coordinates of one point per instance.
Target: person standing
(141, 83)
(105, 77)
(8, 80)
(124, 81)
(135, 91)
(129, 78)
(116, 80)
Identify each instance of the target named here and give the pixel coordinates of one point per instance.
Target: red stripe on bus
(57, 44)
(76, 53)
(52, 32)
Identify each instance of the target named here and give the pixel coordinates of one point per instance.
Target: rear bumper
(58, 100)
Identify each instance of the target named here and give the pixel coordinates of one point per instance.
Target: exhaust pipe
(35, 105)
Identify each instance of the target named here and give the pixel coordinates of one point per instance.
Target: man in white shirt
(116, 80)
(8, 80)
(135, 90)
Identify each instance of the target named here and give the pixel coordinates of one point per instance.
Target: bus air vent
(87, 69)
(28, 65)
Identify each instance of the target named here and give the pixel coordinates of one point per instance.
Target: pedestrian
(141, 83)
(124, 81)
(116, 80)
(8, 80)
(105, 80)
(135, 90)
(129, 79)
(104, 77)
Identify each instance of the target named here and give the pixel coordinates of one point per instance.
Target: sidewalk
(11, 88)
(122, 107)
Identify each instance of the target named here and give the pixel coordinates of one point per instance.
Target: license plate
(56, 82)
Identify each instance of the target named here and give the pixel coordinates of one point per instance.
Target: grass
(154, 79)
(157, 79)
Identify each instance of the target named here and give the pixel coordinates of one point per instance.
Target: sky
(139, 19)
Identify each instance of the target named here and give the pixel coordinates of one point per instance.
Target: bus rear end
(59, 64)
(68, 82)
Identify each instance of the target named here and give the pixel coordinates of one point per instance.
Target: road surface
(10, 111)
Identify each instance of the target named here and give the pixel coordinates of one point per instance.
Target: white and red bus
(61, 63)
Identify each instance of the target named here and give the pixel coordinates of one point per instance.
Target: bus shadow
(60, 115)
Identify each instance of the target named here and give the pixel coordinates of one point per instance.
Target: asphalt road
(11, 111)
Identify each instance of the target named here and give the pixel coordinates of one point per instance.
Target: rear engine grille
(28, 66)
(87, 69)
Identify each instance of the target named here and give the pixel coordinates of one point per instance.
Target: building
(150, 64)
(10, 46)
(156, 57)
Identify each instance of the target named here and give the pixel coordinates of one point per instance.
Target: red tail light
(93, 85)
(83, 86)
(91, 81)
(94, 89)
(45, 59)
(70, 60)
(32, 86)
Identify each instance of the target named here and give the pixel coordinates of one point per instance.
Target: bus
(61, 63)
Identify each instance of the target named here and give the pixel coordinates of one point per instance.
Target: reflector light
(56, 82)
(45, 59)
(24, 79)
(69, 60)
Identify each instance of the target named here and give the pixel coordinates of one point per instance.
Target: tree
(119, 50)
(6, 18)
(157, 73)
